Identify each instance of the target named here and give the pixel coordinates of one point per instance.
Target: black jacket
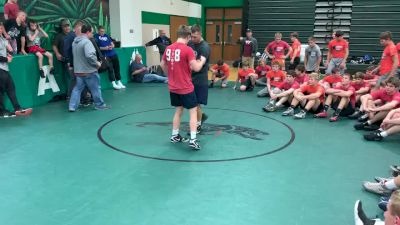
(161, 47)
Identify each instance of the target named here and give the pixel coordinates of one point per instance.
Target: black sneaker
(211, 85)
(360, 126)
(198, 130)
(7, 114)
(178, 138)
(250, 88)
(42, 73)
(363, 118)
(373, 137)
(355, 115)
(371, 127)
(52, 70)
(193, 143)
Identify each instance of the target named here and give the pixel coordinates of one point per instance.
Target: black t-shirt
(59, 42)
(138, 77)
(15, 31)
(201, 49)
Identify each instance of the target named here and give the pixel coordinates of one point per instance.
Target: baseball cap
(248, 30)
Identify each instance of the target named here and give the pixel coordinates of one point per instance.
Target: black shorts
(318, 110)
(188, 101)
(296, 62)
(201, 92)
(346, 111)
(219, 75)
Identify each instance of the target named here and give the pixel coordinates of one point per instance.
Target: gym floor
(118, 166)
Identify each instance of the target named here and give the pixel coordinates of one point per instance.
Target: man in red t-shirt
(338, 51)
(178, 62)
(311, 96)
(296, 49)
(11, 9)
(390, 59)
(262, 70)
(378, 104)
(275, 50)
(247, 77)
(282, 93)
(219, 71)
(343, 100)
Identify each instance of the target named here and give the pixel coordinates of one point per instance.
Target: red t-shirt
(398, 51)
(11, 9)
(262, 70)
(286, 86)
(302, 79)
(332, 79)
(223, 69)
(349, 88)
(383, 95)
(277, 49)
(276, 77)
(296, 45)
(244, 73)
(387, 60)
(247, 50)
(311, 89)
(338, 48)
(178, 57)
(358, 86)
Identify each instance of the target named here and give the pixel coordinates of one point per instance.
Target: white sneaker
(120, 84)
(115, 86)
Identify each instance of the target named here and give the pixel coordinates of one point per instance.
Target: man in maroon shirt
(11, 9)
(248, 48)
(178, 62)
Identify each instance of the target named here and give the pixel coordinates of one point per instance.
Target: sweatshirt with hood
(85, 58)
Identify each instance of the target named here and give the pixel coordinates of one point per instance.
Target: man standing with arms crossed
(200, 78)
(178, 61)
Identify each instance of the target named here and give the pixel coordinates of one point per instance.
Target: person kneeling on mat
(247, 77)
(220, 71)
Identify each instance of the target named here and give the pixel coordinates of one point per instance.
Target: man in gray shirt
(85, 70)
(313, 57)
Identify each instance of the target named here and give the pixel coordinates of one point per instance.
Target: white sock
(384, 134)
(175, 132)
(391, 185)
(278, 104)
(369, 122)
(198, 123)
(193, 135)
(380, 129)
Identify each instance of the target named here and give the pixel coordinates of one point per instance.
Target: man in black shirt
(58, 48)
(15, 32)
(162, 42)
(200, 79)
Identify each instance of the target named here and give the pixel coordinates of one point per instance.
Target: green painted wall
(164, 19)
(26, 77)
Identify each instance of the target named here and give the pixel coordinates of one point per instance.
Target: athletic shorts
(318, 110)
(201, 92)
(34, 49)
(188, 101)
(346, 111)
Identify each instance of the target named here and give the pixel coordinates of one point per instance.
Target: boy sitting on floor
(331, 80)
(247, 77)
(311, 96)
(262, 69)
(220, 71)
(301, 76)
(274, 78)
(389, 126)
(283, 93)
(342, 97)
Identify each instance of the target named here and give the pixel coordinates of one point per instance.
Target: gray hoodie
(84, 53)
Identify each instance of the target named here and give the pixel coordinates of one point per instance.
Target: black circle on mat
(292, 138)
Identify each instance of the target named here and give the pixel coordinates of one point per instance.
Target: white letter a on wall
(43, 85)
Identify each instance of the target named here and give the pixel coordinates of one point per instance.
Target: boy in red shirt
(343, 97)
(296, 49)
(301, 76)
(360, 85)
(261, 71)
(247, 77)
(378, 104)
(370, 77)
(220, 71)
(389, 61)
(332, 80)
(283, 93)
(275, 50)
(311, 96)
(178, 62)
(389, 126)
(274, 78)
(338, 51)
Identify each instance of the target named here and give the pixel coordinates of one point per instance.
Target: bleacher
(369, 19)
(267, 17)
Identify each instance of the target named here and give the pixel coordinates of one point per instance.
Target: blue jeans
(154, 78)
(91, 81)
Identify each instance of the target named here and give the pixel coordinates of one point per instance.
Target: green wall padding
(155, 18)
(25, 73)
